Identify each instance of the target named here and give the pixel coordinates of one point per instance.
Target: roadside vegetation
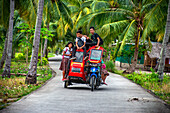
(14, 88)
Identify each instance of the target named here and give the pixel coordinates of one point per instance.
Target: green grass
(15, 87)
(51, 55)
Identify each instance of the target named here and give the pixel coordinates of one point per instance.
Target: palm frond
(64, 12)
(130, 31)
(100, 6)
(153, 19)
(99, 19)
(86, 4)
(113, 28)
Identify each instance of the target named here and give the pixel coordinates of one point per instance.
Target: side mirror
(103, 56)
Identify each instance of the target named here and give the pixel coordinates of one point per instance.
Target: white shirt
(67, 52)
(82, 38)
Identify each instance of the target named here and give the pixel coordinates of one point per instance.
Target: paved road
(114, 98)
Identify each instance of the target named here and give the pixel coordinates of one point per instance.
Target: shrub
(44, 61)
(154, 75)
(19, 56)
(110, 66)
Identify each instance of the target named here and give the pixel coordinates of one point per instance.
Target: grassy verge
(13, 88)
(152, 83)
(51, 55)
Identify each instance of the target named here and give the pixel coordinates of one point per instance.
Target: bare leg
(63, 74)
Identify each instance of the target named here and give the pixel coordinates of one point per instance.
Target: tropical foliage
(116, 21)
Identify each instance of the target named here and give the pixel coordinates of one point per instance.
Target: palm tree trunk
(41, 49)
(164, 46)
(4, 52)
(9, 43)
(32, 72)
(27, 50)
(45, 47)
(45, 43)
(133, 65)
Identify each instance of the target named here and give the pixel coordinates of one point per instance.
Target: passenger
(67, 53)
(104, 73)
(80, 43)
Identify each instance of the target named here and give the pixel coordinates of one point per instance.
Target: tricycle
(85, 70)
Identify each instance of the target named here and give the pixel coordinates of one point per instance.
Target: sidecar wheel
(65, 84)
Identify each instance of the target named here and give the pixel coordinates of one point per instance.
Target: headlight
(93, 69)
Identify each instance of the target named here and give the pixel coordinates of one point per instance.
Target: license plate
(76, 70)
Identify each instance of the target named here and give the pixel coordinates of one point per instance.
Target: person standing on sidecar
(95, 38)
(67, 53)
(80, 43)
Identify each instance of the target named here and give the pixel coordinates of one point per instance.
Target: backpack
(80, 42)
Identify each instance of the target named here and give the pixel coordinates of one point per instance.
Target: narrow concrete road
(114, 98)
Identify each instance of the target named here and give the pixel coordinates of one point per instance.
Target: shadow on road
(79, 88)
(88, 88)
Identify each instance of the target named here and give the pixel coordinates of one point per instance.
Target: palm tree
(32, 73)
(57, 12)
(4, 21)
(4, 52)
(46, 19)
(164, 46)
(128, 20)
(9, 43)
(24, 7)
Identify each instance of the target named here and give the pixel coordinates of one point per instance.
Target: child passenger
(80, 43)
(67, 53)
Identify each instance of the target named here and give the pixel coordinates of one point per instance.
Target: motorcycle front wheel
(92, 82)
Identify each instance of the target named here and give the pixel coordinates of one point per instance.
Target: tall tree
(4, 21)
(132, 20)
(47, 18)
(6, 71)
(32, 73)
(164, 46)
(4, 52)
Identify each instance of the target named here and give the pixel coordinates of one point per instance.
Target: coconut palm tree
(32, 73)
(6, 71)
(164, 46)
(128, 20)
(4, 52)
(4, 21)
(57, 11)
(22, 6)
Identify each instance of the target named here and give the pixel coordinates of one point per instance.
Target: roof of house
(156, 49)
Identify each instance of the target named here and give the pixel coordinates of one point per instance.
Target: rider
(80, 43)
(96, 39)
